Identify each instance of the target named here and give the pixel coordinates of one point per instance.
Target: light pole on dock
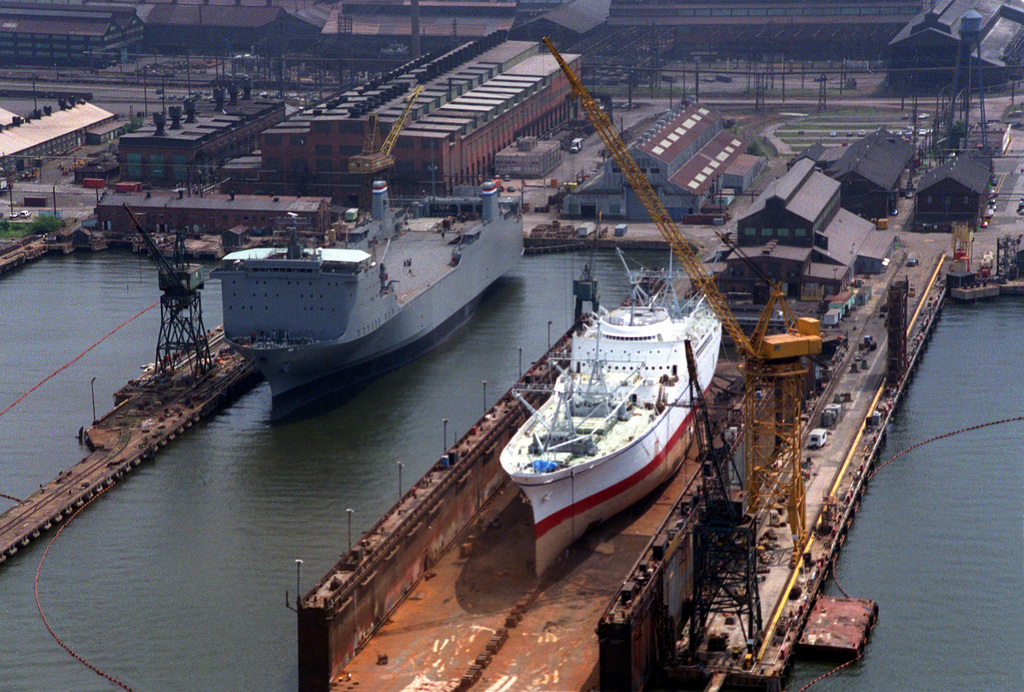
(444, 435)
(400, 465)
(349, 512)
(298, 582)
(549, 335)
(520, 362)
(92, 391)
(485, 396)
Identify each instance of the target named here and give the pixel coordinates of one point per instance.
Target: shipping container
(36, 201)
(94, 183)
(127, 187)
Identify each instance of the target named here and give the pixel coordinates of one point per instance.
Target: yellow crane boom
(370, 161)
(772, 362)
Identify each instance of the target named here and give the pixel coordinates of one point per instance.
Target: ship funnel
(380, 199)
(489, 193)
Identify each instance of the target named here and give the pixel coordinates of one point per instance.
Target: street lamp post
(520, 362)
(444, 435)
(349, 513)
(485, 396)
(400, 466)
(92, 391)
(549, 335)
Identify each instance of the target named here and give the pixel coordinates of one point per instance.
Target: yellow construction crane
(772, 367)
(374, 160)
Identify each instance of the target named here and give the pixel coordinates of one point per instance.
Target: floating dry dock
(148, 413)
(440, 595)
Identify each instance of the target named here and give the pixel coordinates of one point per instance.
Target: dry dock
(441, 595)
(147, 415)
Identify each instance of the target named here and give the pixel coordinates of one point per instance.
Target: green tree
(43, 225)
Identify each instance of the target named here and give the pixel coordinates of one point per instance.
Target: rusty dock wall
(338, 616)
(148, 414)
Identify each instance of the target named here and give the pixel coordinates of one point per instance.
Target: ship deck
(430, 253)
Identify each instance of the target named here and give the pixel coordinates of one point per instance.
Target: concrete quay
(148, 414)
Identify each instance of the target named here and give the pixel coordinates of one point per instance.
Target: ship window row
(630, 338)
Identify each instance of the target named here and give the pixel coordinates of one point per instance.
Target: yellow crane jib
(370, 161)
(772, 366)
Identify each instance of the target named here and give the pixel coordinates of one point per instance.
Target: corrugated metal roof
(14, 140)
(696, 175)
(971, 171)
(280, 205)
(209, 15)
(880, 158)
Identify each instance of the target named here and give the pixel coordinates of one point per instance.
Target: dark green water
(175, 579)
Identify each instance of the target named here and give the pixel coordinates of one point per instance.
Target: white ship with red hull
(618, 422)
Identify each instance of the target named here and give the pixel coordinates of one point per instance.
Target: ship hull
(320, 331)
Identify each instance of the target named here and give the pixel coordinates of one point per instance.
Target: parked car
(911, 261)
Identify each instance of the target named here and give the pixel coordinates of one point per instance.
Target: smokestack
(218, 97)
(190, 111)
(247, 91)
(414, 44)
(159, 119)
(489, 193)
(380, 199)
(48, 110)
(175, 113)
(233, 93)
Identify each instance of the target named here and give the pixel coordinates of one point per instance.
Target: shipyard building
(684, 155)
(476, 100)
(797, 233)
(52, 130)
(187, 145)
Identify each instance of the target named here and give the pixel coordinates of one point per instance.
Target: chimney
(175, 113)
(247, 91)
(233, 93)
(16, 121)
(380, 199)
(218, 97)
(48, 110)
(190, 111)
(37, 114)
(489, 193)
(62, 103)
(159, 119)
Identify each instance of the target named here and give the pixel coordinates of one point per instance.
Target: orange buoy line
(76, 358)
(39, 607)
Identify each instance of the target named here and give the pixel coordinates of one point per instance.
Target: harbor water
(176, 578)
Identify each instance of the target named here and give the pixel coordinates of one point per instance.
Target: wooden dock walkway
(149, 414)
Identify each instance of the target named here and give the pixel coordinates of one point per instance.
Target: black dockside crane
(724, 537)
(182, 334)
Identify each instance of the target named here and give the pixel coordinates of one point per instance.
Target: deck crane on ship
(772, 365)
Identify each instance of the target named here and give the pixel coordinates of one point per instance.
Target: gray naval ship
(320, 322)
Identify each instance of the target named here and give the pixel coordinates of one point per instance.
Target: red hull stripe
(611, 491)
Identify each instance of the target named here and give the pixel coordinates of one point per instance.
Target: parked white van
(817, 438)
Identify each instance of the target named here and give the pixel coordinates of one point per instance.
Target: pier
(148, 413)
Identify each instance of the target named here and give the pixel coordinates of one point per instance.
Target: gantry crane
(772, 367)
(182, 333)
(373, 160)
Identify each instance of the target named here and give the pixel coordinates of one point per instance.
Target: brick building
(954, 192)
(212, 214)
(187, 148)
(477, 100)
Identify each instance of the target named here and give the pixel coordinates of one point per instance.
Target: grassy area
(12, 231)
